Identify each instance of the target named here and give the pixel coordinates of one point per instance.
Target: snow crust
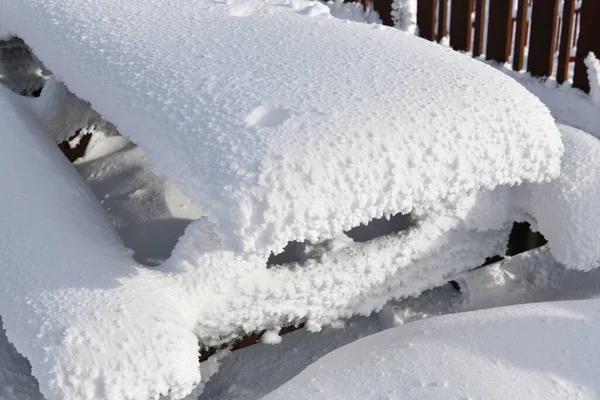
(281, 137)
(535, 351)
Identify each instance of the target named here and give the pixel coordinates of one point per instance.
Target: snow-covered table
(281, 123)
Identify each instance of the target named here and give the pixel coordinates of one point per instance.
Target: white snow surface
(268, 117)
(95, 324)
(535, 351)
(567, 209)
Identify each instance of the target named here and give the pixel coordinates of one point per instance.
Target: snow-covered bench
(278, 136)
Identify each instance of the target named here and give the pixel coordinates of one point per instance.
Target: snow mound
(567, 209)
(282, 137)
(536, 351)
(92, 322)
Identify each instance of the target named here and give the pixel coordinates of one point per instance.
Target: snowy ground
(116, 169)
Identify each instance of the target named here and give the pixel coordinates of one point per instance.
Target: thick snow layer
(94, 324)
(91, 322)
(269, 119)
(536, 351)
(567, 209)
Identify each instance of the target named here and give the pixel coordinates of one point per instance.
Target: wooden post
(426, 11)
(384, 8)
(442, 30)
(520, 35)
(564, 53)
(589, 41)
(543, 37)
(460, 24)
(499, 30)
(479, 25)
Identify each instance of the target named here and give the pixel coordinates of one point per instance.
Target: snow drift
(535, 351)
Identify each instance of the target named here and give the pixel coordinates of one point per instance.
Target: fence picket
(542, 42)
(460, 26)
(384, 8)
(499, 30)
(520, 35)
(479, 25)
(589, 40)
(426, 12)
(442, 29)
(564, 54)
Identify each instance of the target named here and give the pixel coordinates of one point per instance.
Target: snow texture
(535, 351)
(404, 15)
(271, 136)
(93, 323)
(566, 209)
(593, 71)
(269, 156)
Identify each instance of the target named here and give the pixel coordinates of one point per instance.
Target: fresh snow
(94, 323)
(534, 351)
(269, 133)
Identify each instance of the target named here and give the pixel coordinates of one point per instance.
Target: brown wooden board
(460, 24)
(589, 40)
(564, 52)
(442, 30)
(479, 27)
(542, 41)
(520, 35)
(426, 12)
(499, 30)
(384, 8)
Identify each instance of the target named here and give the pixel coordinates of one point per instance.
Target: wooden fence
(489, 27)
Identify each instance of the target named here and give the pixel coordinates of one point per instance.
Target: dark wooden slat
(442, 30)
(564, 53)
(479, 27)
(384, 8)
(542, 42)
(520, 35)
(499, 30)
(460, 24)
(426, 11)
(589, 40)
